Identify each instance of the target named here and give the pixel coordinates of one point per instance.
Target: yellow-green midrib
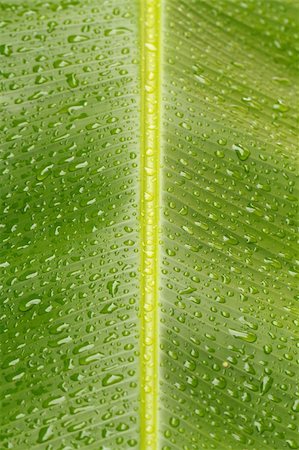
(149, 178)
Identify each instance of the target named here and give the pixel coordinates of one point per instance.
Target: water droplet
(243, 335)
(111, 379)
(74, 38)
(45, 434)
(112, 287)
(72, 80)
(29, 303)
(266, 384)
(242, 152)
(5, 49)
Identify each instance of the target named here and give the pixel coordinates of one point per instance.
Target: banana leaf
(148, 217)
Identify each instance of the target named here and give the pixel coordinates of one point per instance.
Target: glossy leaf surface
(71, 205)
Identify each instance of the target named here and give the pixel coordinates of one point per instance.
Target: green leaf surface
(74, 358)
(229, 313)
(69, 262)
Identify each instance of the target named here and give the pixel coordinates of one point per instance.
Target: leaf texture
(75, 366)
(70, 291)
(228, 301)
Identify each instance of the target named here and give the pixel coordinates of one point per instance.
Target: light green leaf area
(229, 313)
(71, 144)
(69, 216)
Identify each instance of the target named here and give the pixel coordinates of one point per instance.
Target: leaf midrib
(150, 21)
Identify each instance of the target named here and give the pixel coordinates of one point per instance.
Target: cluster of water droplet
(69, 225)
(228, 352)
